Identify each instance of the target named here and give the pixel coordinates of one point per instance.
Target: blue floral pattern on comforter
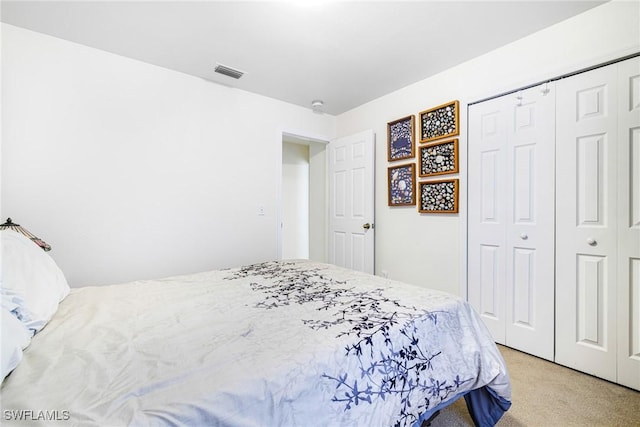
(391, 342)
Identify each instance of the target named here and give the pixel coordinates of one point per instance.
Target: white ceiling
(345, 53)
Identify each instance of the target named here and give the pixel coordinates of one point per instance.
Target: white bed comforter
(274, 344)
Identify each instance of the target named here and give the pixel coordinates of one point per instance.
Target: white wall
(295, 201)
(318, 202)
(430, 250)
(133, 171)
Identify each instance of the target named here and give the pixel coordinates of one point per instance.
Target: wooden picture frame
(438, 158)
(401, 139)
(402, 185)
(440, 122)
(439, 196)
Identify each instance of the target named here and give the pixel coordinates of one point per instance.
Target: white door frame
(299, 134)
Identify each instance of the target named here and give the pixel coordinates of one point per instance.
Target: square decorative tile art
(439, 196)
(439, 158)
(439, 122)
(402, 183)
(400, 139)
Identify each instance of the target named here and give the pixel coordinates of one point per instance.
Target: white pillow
(14, 337)
(15, 304)
(31, 279)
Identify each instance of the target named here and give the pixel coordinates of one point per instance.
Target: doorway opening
(303, 225)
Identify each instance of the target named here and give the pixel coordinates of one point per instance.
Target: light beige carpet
(548, 395)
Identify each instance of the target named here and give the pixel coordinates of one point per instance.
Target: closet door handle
(591, 241)
(524, 236)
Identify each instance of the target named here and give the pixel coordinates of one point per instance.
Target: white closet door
(629, 224)
(511, 212)
(586, 229)
(487, 213)
(530, 222)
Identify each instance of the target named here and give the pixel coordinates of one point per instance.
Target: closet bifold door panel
(628, 167)
(598, 222)
(510, 221)
(486, 232)
(586, 154)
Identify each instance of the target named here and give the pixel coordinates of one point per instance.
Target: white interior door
(511, 218)
(487, 214)
(628, 167)
(530, 234)
(586, 229)
(351, 201)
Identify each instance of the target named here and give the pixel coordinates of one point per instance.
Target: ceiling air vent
(228, 71)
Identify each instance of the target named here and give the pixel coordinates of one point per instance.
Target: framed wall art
(439, 122)
(439, 158)
(402, 184)
(439, 196)
(400, 139)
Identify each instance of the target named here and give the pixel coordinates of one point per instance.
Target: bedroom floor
(546, 394)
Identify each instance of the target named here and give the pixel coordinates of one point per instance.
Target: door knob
(366, 226)
(591, 241)
(524, 236)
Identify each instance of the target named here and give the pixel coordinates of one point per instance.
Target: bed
(282, 343)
